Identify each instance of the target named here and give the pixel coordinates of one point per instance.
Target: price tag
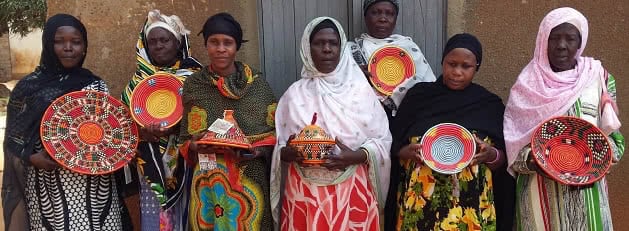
(220, 126)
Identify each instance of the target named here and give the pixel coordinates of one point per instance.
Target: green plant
(22, 16)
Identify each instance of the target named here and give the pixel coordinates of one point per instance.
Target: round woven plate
(157, 99)
(571, 150)
(89, 132)
(389, 67)
(448, 148)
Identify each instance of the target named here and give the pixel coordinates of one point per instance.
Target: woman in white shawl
(347, 192)
(380, 19)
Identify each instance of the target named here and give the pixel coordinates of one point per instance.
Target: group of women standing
(376, 179)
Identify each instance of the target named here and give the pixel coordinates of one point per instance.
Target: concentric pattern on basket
(389, 67)
(89, 132)
(448, 148)
(313, 143)
(571, 150)
(157, 99)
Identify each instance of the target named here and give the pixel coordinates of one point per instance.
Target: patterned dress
(429, 200)
(544, 204)
(64, 200)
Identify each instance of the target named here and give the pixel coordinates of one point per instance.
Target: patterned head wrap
(171, 23)
(368, 3)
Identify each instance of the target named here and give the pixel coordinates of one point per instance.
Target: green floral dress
(428, 200)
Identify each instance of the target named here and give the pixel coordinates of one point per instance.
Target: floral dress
(428, 200)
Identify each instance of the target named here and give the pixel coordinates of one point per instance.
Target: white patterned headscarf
(170, 23)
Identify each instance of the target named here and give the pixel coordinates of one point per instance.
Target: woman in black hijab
(481, 195)
(36, 192)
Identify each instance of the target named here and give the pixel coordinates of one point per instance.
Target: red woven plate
(389, 67)
(157, 99)
(89, 132)
(448, 148)
(571, 150)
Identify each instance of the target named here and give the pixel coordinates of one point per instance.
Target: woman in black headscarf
(428, 200)
(230, 190)
(34, 186)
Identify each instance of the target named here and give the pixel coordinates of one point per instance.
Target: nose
(562, 44)
(327, 48)
(67, 46)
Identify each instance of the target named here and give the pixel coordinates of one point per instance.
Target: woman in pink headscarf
(559, 81)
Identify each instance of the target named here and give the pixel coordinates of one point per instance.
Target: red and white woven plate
(89, 132)
(571, 150)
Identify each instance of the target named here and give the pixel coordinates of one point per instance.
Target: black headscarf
(32, 95)
(223, 23)
(322, 25)
(368, 3)
(467, 41)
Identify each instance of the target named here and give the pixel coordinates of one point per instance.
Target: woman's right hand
(411, 151)
(42, 160)
(290, 153)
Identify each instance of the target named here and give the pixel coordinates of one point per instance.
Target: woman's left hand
(485, 154)
(346, 158)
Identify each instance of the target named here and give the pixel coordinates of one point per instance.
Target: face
(325, 49)
(380, 19)
(563, 42)
(459, 67)
(221, 49)
(162, 46)
(69, 46)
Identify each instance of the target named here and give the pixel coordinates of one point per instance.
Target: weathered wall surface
(507, 30)
(5, 58)
(113, 28)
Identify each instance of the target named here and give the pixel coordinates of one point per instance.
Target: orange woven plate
(389, 67)
(89, 132)
(157, 99)
(571, 150)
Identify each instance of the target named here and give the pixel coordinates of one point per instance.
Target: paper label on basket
(207, 161)
(220, 126)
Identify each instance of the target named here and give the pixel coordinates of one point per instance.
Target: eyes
(323, 42)
(379, 12)
(74, 41)
(218, 42)
(154, 41)
(461, 65)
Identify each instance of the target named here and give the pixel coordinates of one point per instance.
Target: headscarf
(346, 107)
(467, 41)
(171, 23)
(368, 3)
(185, 66)
(540, 93)
(28, 101)
(32, 95)
(223, 23)
(159, 160)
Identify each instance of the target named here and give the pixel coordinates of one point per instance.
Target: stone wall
(507, 30)
(5, 58)
(113, 28)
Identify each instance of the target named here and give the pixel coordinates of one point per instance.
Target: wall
(113, 28)
(5, 58)
(25, 52)
(507, 30)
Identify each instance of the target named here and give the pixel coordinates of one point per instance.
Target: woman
(429, 200)
(559, 81)
(53, 197)
(347, 192)
(162, 47)
(380, 18)
(234, 194)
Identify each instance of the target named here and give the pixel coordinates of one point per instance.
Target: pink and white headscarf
(540, 93)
